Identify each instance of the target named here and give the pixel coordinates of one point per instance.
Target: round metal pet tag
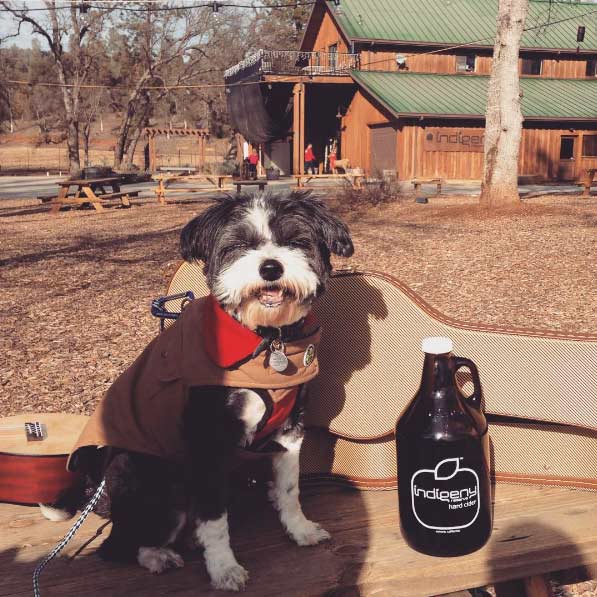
(277, 359)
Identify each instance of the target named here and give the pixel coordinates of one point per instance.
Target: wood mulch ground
(75, 289)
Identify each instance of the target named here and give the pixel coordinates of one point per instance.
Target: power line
(284, 80)
(215, 6)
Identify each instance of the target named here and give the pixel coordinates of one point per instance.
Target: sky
(24, 40)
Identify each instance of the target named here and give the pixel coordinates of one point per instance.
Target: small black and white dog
(266, 258)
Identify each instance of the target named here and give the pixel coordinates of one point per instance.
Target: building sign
(444, 139)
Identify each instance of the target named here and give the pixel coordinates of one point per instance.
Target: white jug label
(445, 498)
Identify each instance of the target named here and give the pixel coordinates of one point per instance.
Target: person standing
(310, 161)
(253, 161)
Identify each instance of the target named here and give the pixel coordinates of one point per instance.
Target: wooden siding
(539, 152)
(355, 134)
(328, 35)
(419, 62)
(560, 67)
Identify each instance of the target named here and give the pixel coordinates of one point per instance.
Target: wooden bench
(250, 183)
(355, 180)
(165, 180)
(536, 531)
(417, 182)
(124, 196)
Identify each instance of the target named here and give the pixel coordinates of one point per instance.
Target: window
(531, 66)
(589, 146)
(567, 148)
(465, 63)
(591, 68)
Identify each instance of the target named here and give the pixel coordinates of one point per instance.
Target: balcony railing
(286, 62)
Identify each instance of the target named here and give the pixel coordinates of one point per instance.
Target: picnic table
(355, 180)
(250, 183)
(91, 191)
(588, 180)
(537, 530)
(164, 181)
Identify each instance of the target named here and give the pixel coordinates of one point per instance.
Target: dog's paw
(232, 578)
(158, 559)
(308, 533)
(55, 514)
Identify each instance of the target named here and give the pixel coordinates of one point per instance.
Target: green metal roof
(415, 94)
(463, 21)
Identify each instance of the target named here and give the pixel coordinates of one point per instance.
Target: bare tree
(167, 49)
(503, 129)
(81, 31)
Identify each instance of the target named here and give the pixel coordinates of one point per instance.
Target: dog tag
(278, 361)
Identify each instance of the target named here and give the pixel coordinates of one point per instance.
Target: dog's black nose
(271, 270)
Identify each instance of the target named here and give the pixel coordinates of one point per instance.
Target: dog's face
(267, 256)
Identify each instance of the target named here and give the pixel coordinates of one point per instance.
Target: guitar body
(34, 471)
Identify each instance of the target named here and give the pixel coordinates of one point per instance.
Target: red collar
(226, 341)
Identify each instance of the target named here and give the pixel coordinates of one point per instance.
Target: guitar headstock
(35, 432)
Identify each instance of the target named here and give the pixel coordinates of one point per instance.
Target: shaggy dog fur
(266, 258)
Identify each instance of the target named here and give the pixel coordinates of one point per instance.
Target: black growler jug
(442, 444)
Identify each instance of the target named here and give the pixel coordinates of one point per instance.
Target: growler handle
(475, 397)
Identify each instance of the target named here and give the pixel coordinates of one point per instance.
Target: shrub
(372, 193)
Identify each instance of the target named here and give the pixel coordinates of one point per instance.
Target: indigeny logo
(445, 498)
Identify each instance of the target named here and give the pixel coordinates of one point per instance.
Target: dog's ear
(199, 235)
(330, 229)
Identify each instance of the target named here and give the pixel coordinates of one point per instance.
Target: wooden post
(201, 151)
(298, 129)
(152, 156)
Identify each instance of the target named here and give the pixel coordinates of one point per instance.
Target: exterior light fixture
(215, 8)
(400, 60)
(83, 7)
(580, 33)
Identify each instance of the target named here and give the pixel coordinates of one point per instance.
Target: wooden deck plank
(536, 530)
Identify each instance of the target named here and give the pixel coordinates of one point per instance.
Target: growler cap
(437, 345)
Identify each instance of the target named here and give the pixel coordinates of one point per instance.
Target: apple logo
(445, 498)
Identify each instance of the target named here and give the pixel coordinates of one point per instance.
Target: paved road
(29, 187)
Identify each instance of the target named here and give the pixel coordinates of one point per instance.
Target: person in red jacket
(310, 161)
(253, 161)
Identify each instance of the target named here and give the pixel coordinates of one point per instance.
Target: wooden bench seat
(417, 182)
(536, 531)
(124, 197)
(47, 198)
(355, 180)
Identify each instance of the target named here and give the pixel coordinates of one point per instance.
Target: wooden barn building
(401, 86)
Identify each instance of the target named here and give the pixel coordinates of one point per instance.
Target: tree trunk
(72, 144)
(503, 128)
(123, 136)
(130, 155)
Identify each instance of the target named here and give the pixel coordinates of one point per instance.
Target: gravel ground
(75, 289)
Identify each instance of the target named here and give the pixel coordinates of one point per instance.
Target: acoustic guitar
(33, 452)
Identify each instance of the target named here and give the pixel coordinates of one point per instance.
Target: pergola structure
(153, 132)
